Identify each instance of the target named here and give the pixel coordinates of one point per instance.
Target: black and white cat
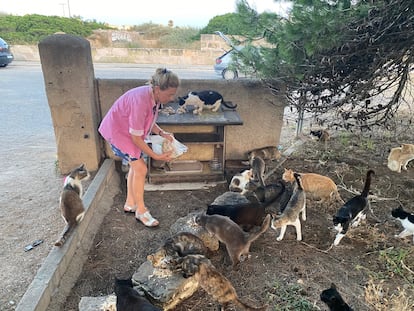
(407, 221)
(352, 212)
(207, 99)
(71, 205)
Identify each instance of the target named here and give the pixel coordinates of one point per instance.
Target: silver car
(226, 65)
(6, 57)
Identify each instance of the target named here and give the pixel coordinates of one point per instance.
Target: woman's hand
(166, 156)
(166, 135)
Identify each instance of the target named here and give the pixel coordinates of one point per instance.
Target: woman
(126, 126)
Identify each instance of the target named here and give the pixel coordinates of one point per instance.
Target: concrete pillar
(70, 87)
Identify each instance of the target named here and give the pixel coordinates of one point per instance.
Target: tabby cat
(316, 186)
(213, 282)
(71, 204)
(400, 156)
(229, 233)
(290, 216)
(178, 245)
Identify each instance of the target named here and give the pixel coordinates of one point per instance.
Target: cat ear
(333, 285)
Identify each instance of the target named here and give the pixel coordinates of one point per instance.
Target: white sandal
(129, 209)
(147, 219)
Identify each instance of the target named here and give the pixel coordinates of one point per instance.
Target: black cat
(128, 299)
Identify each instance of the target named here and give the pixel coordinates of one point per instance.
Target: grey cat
(290, 216)
(71, 204)
(259, 167)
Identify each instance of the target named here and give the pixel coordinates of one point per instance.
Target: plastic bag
(161, 145)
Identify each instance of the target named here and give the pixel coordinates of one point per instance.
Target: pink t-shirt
(134, 113)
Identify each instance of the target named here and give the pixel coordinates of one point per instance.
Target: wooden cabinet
(204, 135)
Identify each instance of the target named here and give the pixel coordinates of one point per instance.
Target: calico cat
(207, 99)
(71, 204)
(290, 216)
(407, 221)
(229, 233)
(316, 186)
(259, 167)
(333, 299)
(179, 245)
(322, 135)
(239, 181)
(213, 282)
(400, 156)
(128, 299)
(352, 212)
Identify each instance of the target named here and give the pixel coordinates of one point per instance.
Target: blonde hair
(165, 79)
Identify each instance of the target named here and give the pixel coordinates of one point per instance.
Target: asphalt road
(25, 120)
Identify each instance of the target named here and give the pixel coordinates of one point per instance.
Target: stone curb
(61, 268)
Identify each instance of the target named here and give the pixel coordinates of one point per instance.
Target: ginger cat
(400, 156)
(316, 186)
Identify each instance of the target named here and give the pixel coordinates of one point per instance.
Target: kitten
(229, 233)
(71, 204)
(407, 221)
(266, 153)
(334, 300)
(322, 135)
(213, 282)
(179, 245)
(258, 166)
(128, 299)
(400, 156)
(207, 99)
(352, 212)
(316, 186)
(290, 216)
(239, 181)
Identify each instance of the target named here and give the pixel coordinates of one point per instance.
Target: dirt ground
(371, 268)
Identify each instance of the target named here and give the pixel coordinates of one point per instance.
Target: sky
(191, 13)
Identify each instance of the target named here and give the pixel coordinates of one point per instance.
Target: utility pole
(69, 9)
(63, 8)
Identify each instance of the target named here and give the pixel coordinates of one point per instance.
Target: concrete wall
(78, 101)
(103, 51)
(261, 112)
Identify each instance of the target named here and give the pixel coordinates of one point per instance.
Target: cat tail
(367, 185)
(64, 235)
(393, 165)
(229, 104)
(246, 307)
(263, 229)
